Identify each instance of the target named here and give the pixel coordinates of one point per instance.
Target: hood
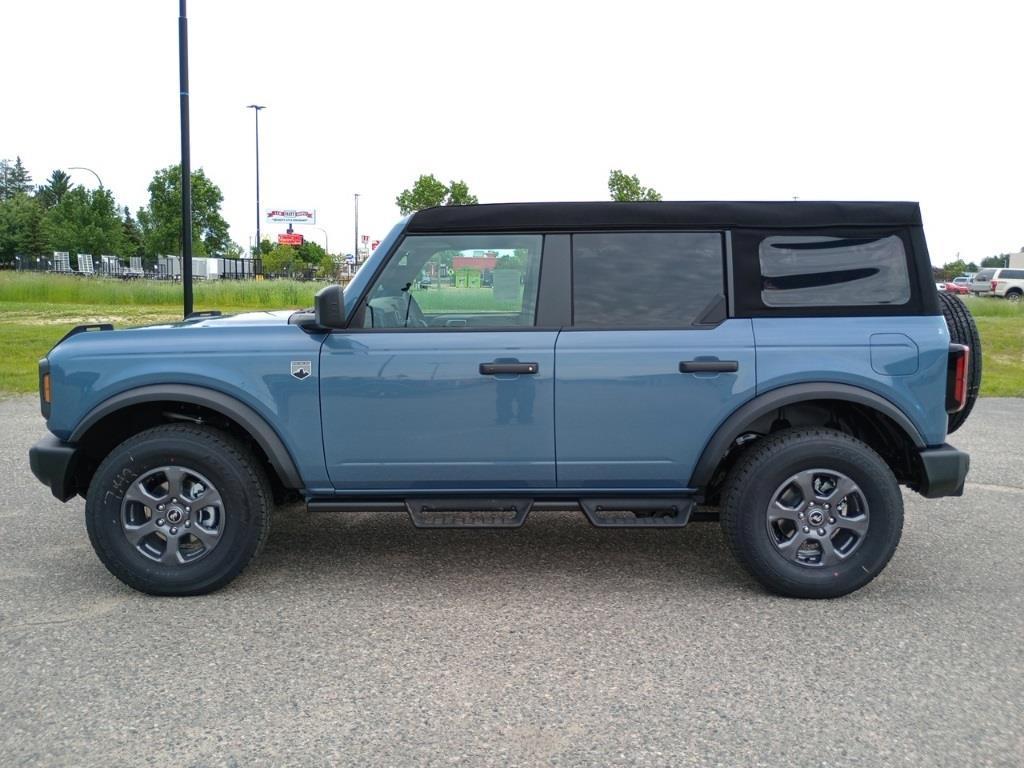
(267, 317)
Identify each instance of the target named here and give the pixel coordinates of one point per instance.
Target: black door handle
(492, 369)
(709, 366)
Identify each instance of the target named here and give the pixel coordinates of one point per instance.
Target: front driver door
(443, 380)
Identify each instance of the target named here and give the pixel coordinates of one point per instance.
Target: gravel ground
(357, 640)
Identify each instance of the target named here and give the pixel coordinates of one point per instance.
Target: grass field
(36, 310)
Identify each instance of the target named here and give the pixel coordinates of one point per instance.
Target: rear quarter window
(1012, 274)
(819, 271)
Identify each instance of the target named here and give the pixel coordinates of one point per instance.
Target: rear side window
(647, 279)
(815, 271)
(984, 275)
(1012, 274)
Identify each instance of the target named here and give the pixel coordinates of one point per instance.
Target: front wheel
(812, 513)
(178, 510)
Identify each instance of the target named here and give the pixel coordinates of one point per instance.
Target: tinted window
(460, 281)
(646, 280)
(813, 271)
(1012, 274)
(984, 275)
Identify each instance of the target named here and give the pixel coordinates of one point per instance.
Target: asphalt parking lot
(358, 640)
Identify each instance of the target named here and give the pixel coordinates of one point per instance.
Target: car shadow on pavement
(385, 545)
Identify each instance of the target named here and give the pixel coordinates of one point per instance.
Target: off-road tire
(765, 465)
(963, 330)
(229, 465)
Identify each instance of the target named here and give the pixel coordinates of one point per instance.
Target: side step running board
(468, 513)
(505, 512)
(637, 513)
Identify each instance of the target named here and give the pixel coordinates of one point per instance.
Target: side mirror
(329, 307)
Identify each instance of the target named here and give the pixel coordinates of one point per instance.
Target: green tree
(14, 179)
(328, 267)
(310, 253)
(953, 269)
(85, 221)
(623, 188)
(132, 235)
(994, 261)
(21, 229)
(160, 221)
(279, 260)
(264, 247)
(429, 192)
(53, 191)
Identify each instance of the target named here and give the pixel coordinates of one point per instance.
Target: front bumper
(944, 470)
(54, 463)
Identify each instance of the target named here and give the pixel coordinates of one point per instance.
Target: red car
(956, 288)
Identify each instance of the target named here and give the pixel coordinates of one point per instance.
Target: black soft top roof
(663, 215)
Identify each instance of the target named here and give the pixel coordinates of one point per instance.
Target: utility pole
(256, 111)
(186, 163)
(355, 252)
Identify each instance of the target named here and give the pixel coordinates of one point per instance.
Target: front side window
(647, 279)
(814, 271)
(457, 281)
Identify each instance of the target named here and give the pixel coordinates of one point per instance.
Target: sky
(534, 101)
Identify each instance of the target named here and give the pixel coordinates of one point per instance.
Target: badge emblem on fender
(301, 369)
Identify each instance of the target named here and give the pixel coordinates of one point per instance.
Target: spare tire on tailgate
(962, 330)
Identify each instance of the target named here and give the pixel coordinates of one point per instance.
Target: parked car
(981, 285)
(964, 280)
(956, 288)
(1008, 284)
(782, 367)
(1000, 282)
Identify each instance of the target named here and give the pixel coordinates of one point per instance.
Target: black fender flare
(742, 417)
(248, 419)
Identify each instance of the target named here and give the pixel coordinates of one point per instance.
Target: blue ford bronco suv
(782, 367)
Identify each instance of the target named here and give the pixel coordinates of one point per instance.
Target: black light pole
(256, 110)
(186, 164)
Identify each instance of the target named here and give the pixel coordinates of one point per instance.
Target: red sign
(374, 244)
(289, 238)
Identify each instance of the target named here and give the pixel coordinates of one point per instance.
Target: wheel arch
(148, 399)
(887, 417)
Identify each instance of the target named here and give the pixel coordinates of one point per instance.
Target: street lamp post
(186, 163)
(355, 249)
(90, 170)
(256, 112)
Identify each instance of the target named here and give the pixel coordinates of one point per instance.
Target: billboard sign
(289, 238)
(292, 215)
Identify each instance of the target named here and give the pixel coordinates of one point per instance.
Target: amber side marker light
(46, 388)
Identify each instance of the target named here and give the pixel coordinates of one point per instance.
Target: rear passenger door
(651, 364)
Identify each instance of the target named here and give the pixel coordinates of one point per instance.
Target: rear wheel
(178, 510)
(1014, 294)
(812, 513)
(963, 330)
